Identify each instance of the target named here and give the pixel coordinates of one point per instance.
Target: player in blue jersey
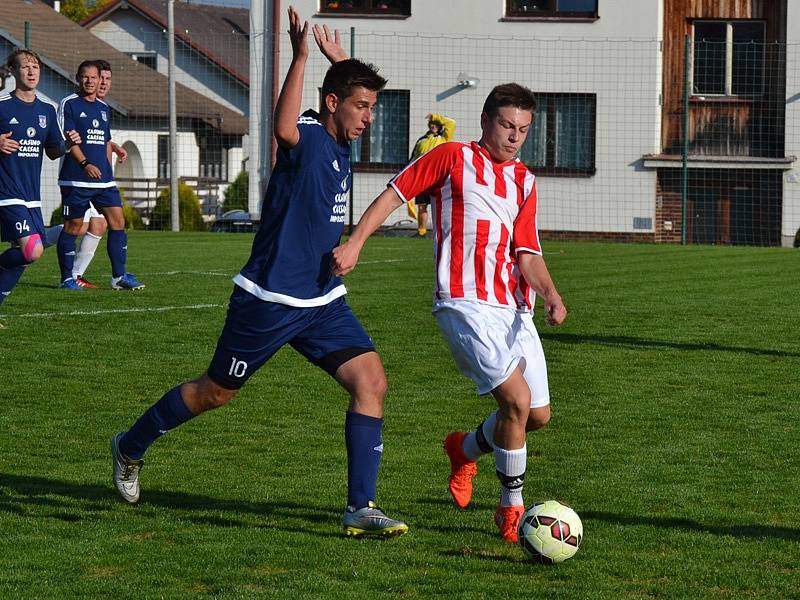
(86, 180)
(29, 129)
(287, 293)
(94, 223)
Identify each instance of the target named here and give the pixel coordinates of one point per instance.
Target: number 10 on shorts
(238, 367)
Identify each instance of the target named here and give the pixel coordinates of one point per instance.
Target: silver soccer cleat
(126, 472)
(371, 520)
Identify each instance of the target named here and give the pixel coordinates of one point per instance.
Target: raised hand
(329, 44)
(297, 34)
(8, 145)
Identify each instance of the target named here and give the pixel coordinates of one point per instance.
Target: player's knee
(538, 418)
(32, 248)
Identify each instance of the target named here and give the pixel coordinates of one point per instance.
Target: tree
(237, 193)
(191, 218)
(77, 10)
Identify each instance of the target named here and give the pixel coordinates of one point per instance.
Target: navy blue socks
(163, 416)
(364, 443)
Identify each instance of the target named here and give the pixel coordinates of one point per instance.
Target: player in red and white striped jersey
(489, 266)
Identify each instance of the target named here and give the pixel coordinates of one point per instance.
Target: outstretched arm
(287, 108)
(535, 272)
(345, 257)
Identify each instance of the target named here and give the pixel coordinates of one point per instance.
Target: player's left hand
(329, 44)
(555, 310)
(122, 154)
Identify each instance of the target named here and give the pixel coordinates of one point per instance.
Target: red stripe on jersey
(457, 231)
(478, 164)
(520, 171)
(499, 181)
(481, 240)
(526, 234)
(500, 257)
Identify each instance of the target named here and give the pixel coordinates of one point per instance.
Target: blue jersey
(92, 120)
(302, 219)
(34, 125)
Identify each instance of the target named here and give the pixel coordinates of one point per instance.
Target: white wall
(616, 57)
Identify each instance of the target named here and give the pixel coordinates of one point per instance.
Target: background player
(29, 126)
(488, 262)
(441, 129)
(94, 223)
(286, 293)
(86, 179)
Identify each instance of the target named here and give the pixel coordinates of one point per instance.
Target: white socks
(85, 254)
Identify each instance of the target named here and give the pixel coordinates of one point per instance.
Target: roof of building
(138, 90)
(205, 28)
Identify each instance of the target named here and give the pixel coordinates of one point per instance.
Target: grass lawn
(675, 397)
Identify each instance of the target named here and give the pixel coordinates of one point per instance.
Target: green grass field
(674, 435)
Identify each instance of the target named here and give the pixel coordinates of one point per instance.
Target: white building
(609, 78)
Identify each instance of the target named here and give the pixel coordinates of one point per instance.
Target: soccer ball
(550, 532)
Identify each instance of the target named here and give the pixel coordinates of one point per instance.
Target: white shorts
(92, 213)
(489, 342)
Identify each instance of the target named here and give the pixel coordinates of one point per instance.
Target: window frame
(362, 164)
(148, 55)
(729, 55)
(550, 14)
(549, 168)
(403, 10)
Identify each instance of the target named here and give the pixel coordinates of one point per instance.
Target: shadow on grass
(635, 343)
(737, 531)
(30, 496)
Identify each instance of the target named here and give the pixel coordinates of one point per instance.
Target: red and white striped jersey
(484, 213)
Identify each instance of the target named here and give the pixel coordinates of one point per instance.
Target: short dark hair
(85, 65)
(509, 94)
(102, 65)
(12, 62)
(345, 75)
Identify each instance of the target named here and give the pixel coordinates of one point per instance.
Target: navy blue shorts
(254, 330)
(77, 200)
(18, 221)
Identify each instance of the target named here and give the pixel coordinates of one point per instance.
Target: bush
(191, 219)
(237, 193)
(797, 239)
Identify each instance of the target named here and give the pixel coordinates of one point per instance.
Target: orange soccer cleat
(462, 469)
(507, 520)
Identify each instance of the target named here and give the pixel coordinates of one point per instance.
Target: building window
(728, 58)
(212, 157)
(400, 8)
(384, 145)
(148, 59)
(163, 157)
(559, 9)
(561, 140)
